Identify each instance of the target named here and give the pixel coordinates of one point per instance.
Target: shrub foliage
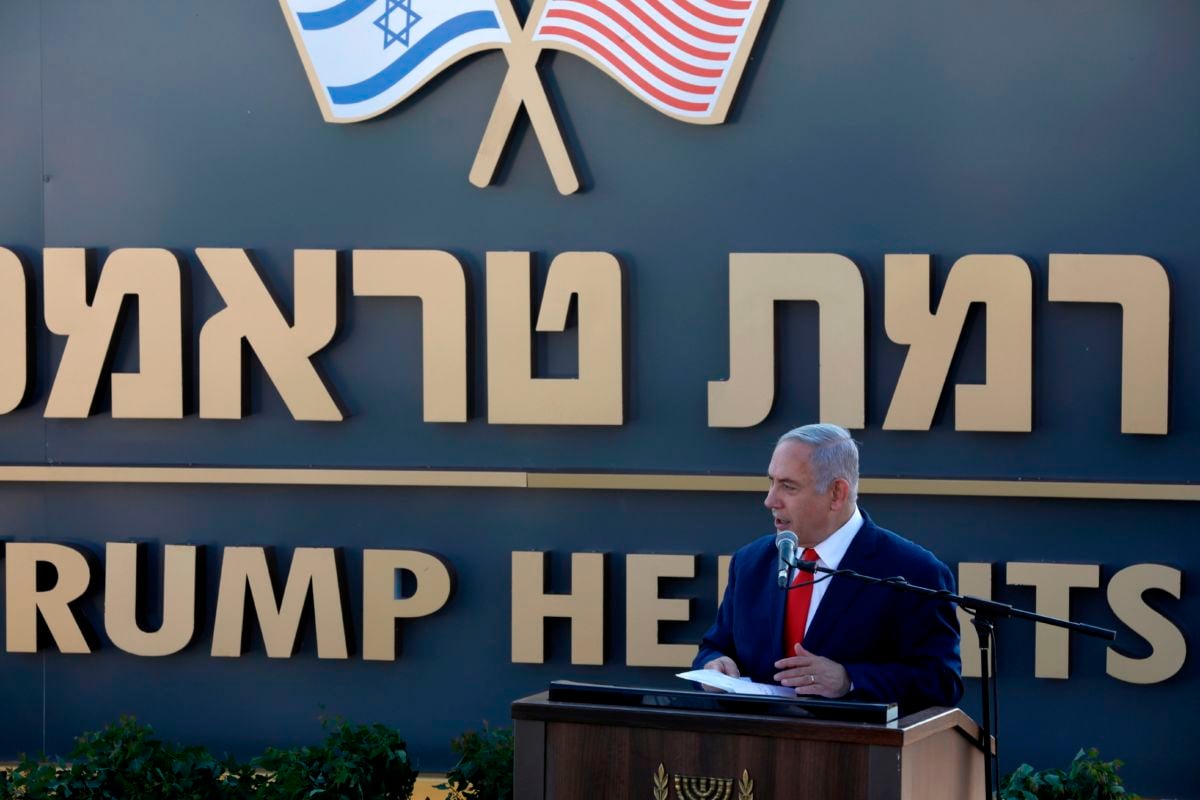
(125, 761)
(362, 762)
(1087, 778)
(485, 766)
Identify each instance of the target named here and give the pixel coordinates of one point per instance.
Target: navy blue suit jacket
(896, 646)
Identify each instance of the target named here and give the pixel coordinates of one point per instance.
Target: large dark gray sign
(403, 449)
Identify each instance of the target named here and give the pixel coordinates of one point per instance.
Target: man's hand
(811, 674)
(724, 665)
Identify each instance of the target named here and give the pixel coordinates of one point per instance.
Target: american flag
(684, 57)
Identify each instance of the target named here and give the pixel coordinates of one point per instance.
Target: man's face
(793, 499)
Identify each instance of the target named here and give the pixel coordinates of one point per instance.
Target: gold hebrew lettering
(285, 351)
(644, 609)
(517, 398)
(245, 568)
(437, 279)
(756, 282)
(178, 604)
(723, 563)
(14, 332)
(381, 606)
(23, 603)
(1004, 402)
(1052, 584)
(156, 390)
(1167, 644)
(974, 579)
(1140, 286)
(583, 605)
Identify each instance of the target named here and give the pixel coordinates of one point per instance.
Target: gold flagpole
(522, 85)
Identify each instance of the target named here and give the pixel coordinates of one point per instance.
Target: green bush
(354, 762)
(485, 766)
(1087, 778)
(123, 761)
(126, 762)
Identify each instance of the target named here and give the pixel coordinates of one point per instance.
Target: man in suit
(838, 637)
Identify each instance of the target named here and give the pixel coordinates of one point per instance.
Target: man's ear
(839, 494)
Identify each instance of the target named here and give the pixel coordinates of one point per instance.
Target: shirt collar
(831, 551)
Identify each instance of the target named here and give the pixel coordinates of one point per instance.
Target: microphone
(786, 542)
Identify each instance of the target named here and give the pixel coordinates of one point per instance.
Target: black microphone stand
(984, 614)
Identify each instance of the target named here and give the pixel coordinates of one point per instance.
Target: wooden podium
(583, 751)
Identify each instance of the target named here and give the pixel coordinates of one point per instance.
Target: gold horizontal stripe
(264, 476)
(941, 487)
(256, 476)
(658, 483)
(1054, 489)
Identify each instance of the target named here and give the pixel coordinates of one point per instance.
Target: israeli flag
(365, 56)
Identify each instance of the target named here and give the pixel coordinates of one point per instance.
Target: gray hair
(834, 454)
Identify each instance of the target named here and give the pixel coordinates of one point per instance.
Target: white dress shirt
(829, 555)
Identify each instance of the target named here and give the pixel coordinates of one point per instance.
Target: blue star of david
(384, 23)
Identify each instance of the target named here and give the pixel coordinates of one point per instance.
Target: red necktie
(799, 598)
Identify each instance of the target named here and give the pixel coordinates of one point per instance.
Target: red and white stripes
(674, 54)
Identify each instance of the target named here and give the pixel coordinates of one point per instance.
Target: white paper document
(719, 680)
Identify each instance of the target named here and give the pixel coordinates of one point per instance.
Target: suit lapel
(842, 590)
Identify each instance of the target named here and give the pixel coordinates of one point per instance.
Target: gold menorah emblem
(693, 787)
(690, 787)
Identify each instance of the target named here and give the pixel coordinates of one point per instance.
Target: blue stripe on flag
(395, 72)
(333, 16)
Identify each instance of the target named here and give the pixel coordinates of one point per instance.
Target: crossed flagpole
(523, 86)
